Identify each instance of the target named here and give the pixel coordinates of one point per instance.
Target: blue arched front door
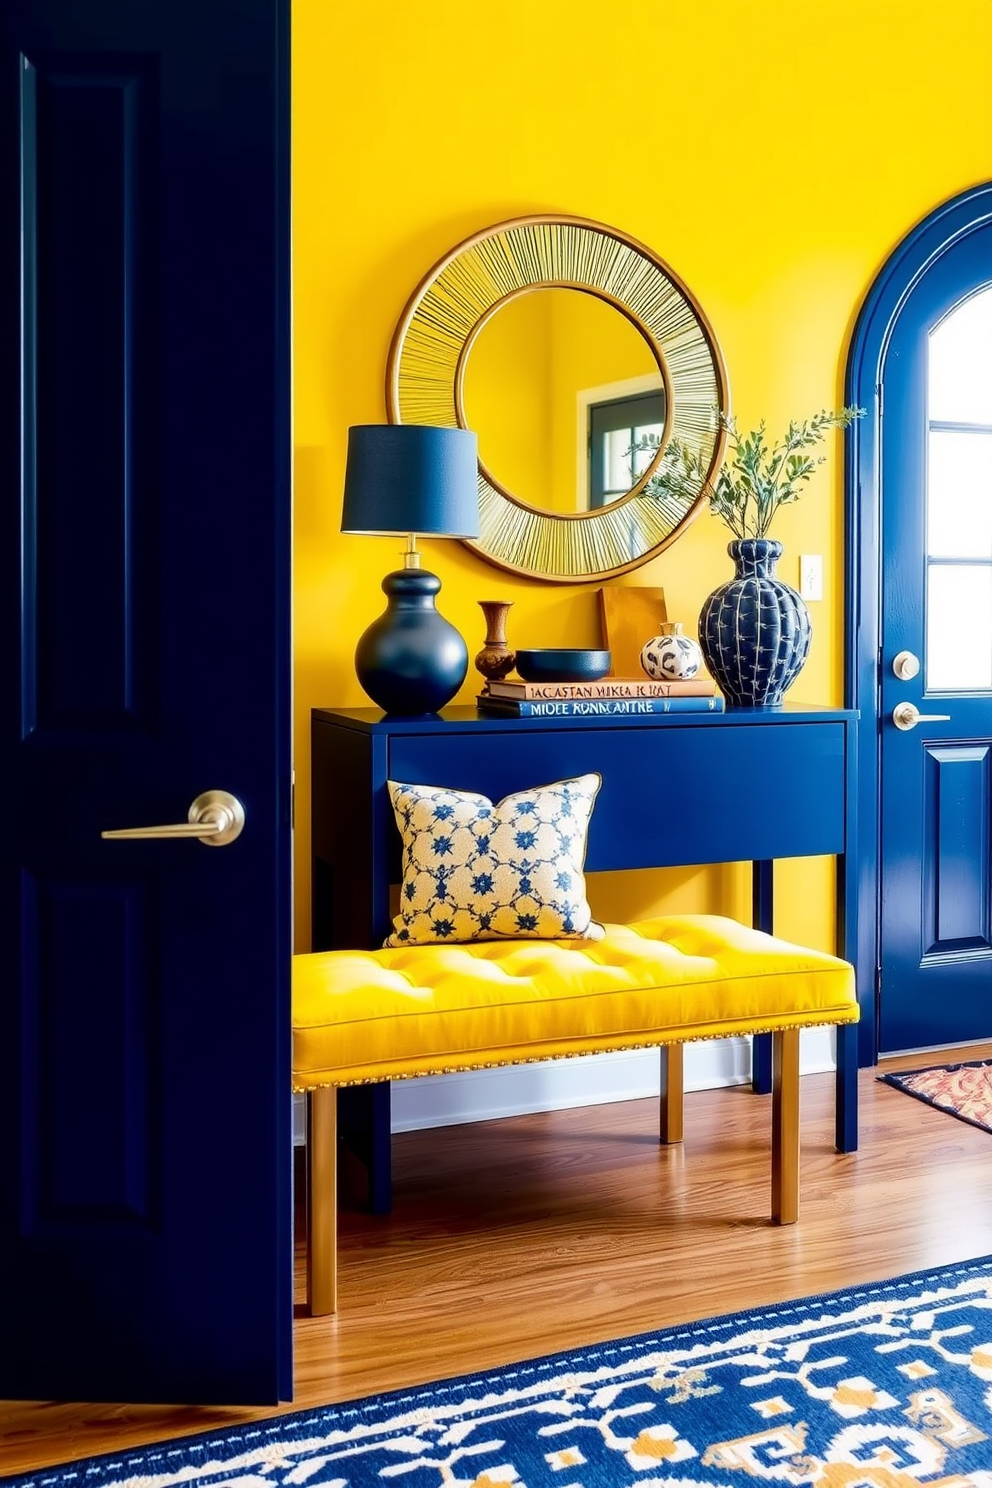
(921, 566)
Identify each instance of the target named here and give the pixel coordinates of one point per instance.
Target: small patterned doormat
(963, 1090)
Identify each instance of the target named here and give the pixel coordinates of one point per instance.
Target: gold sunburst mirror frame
(461, 293)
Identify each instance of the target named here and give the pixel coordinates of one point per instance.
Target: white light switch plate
(811, 576)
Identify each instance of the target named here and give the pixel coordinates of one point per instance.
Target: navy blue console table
(678, 789)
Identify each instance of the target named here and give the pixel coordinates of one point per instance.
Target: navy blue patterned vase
(755, 630)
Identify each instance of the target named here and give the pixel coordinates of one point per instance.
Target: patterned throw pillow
(475, 871)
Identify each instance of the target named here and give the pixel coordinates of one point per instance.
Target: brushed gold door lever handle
(215, 818)
(906, 716)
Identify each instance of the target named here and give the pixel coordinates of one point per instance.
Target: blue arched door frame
(911, 259)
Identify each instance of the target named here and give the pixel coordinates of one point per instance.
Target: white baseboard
(488, 1095)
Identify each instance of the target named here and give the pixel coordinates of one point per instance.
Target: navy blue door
(145, 1120)
(936, 774)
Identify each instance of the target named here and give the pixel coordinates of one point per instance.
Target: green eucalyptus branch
(754, 479)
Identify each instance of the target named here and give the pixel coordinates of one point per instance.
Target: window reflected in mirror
(623, 435)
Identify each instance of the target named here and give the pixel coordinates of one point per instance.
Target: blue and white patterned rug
(883, 1386)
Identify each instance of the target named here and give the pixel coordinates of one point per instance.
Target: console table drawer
(672, 794)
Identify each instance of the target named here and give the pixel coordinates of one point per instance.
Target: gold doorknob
(215, 818)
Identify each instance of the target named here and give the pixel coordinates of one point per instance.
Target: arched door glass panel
(959, 499)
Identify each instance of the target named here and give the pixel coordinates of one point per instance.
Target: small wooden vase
(495, 660)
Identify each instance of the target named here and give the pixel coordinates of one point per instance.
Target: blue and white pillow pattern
(473, 870)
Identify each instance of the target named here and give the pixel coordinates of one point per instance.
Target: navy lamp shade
(409, 479)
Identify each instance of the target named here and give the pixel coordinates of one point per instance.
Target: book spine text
(601, 707)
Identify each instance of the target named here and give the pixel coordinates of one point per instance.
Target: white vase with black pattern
(754, 631)
(671, 656)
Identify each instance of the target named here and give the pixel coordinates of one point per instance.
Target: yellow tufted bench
(368, 1016)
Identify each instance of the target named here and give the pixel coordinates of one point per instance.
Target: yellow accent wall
(508, 388)
(772, 151)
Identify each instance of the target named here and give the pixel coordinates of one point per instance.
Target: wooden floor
(520, 1237)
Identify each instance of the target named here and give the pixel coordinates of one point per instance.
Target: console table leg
(762, 918)
(761, 1063)
(364, 1119)
(846, 1117)
(381, 1155)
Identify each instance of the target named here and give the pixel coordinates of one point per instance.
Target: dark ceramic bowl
(551, 664)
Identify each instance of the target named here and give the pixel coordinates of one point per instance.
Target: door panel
(957, 809)
(89, 168)
(89, 1127)
(936, 802)
(145, 1240)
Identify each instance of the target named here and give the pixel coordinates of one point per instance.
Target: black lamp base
(410, 660)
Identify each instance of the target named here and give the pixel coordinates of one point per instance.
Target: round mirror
(476, 347)
(567, 398)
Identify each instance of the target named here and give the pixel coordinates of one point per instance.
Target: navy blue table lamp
(410, 479)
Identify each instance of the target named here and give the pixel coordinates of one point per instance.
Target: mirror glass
(566, 395)
(545, 333)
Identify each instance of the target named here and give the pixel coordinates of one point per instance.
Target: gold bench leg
(671, 1092)
(322, 1201)
(785, 1126)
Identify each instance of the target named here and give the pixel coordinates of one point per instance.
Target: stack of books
(613, 697)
